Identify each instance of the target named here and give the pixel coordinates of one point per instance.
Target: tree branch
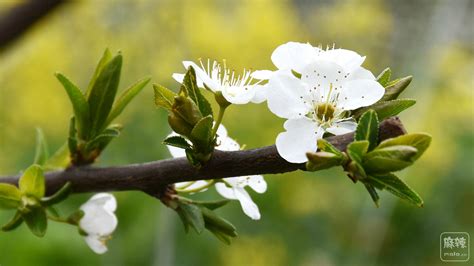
(153, 177)
(23, 16)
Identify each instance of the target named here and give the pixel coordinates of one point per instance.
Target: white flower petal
(361, 73)
(300, 137)
(225, 191)
(222, 131)
(347, 59)
(106, 200)
(320, 76)
(294, 55)
(202, 76)
(360, 93)
(257, 183)
(238, 94)
(97, 221)
(342, 127)
(227, 144)
(262, 74)
(96, 244)
(287, 95)
(248, 206)
(178, 77)
(260, 94)
(191, 185)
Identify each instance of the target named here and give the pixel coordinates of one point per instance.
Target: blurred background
(307, 218)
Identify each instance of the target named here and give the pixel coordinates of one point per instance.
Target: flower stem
(60, 220)
(220, 115)
(209, 184)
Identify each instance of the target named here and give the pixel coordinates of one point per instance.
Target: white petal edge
(360, 93)
(202, 76)
(342, 127)
(300, 137)
(95, 244)
(294, 55)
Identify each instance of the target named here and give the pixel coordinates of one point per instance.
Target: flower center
(325, 111)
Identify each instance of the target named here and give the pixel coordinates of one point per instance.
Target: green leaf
(37, 221)
(72, 140)
(387, 109)
(397, 187)
(324, 145)
(102, 140)
(384, 77)
(213, 220)
(103, 93)
(10, 196)
(323, 160)
(389, 159)
(75, 217)
(212, 205)
(79, 105)
(192, 215)
(126, 97)
(192, 158)
(357, 149)
(368, 128)
(32, 182)
(100, 66)
(420, 141)
(59, 160)
(16, 221)
(226, 239)
(41, 154)
(394, 88)
(59, 196)
(373, 193)
(177, 141)
(190, 86)
(202, 131)
(164, 97)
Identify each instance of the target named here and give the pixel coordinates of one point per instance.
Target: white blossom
(236, 88)
(316, 98)
(231, 187)
(99, 221)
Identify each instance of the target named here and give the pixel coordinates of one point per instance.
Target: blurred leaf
(389, 159)
(226, 239)
(41, 154)
(192, 158)
(10, 196)
(368, 128)
(192, 90)
(212, 205)
(51, 210)
(124, 99)
(420, 141)
(106, 56)
(186, 109)
(37, 221)
(373, 193)
(387, 109)
(103, 93)
(16, 221)
(384, 77)
(323, 160)
(32, 182)
(394, 88)
(397, 187)
(59, 195)
(75, 217)
(202, 131)
(218, 223)
(72, 140)
(59, 160)
(102, 140)
(164, 97)
(79, 104)
(177, 141)
(191, 215)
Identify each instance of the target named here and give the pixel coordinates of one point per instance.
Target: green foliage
(201, 133)
(368, 128)
(36, 220)
(191, 89)
(395, 87)
(397, 187)
(387, 109)
(59, 195)
(10, 196)
(32, 182)
(384, 77)
(177, 141)
(322, 160)
(191, 216)
(420, 141)
(164, 97)
(41, 154)
(389, 159)
(16, 221)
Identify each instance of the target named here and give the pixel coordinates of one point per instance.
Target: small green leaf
(103, 93)
(75, 217)
(32, 182)
(72, 140)
(226, 239)
(59, 160)
(388, 108)
(103, 139)
(202, 131)
(420, 141)
(59, 196)
(192, 158)
(389, 159)
(125, 98)
(357, 149)
(10, 196)
(394, 88)
(397, 187)
(373, 193)
(212, 205)
(37, 221)
(106, 56)
(177, 141)
(41, 154)
(164, 97)
(368, 128)
(186, 109)
(193, 216)
(217, 222)
(384, 77)
(323, 160)
(190, 86)
(16, 221)
(79, 104)
(324, 145)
